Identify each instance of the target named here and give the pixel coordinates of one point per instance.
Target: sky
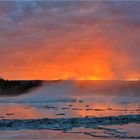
(83, 40)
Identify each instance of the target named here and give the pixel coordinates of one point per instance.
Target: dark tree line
(17, 87)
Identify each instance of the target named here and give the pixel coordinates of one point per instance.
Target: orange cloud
(81, 41)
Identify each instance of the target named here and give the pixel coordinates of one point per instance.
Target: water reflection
(18, 111)
(66, 109)
(74, 99)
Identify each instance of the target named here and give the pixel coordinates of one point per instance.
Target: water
(67, 99)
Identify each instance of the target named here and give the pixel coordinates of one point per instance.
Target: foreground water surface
(68, 99)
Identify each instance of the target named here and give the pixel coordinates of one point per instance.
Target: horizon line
(72, 80)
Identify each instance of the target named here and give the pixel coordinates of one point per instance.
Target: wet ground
(117, 132)
(67, 109)
(67, 99)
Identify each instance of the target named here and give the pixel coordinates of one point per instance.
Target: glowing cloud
(69, 40)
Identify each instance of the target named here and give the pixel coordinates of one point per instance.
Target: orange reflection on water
(18, 111)
(101, 109)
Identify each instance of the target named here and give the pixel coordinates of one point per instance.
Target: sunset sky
(70, 40)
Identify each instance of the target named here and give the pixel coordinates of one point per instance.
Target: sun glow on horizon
(69, 41)
(89, 78)
(94, 78)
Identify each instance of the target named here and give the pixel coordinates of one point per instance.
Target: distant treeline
(17, 87)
